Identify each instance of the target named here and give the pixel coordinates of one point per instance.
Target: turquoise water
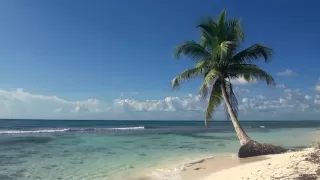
(97, 150)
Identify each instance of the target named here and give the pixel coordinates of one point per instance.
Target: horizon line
(37, 119)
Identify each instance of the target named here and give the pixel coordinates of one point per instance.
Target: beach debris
(198, 168)
(313, 157)
(307, 177)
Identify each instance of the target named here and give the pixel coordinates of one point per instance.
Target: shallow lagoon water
(95, 150)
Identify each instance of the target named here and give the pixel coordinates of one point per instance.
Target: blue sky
(113, 59)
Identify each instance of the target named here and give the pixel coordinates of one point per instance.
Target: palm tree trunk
(205, 123)
(243, 137)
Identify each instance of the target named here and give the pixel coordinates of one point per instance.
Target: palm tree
(218, 61)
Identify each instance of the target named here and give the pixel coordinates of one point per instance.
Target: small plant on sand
(218, 61)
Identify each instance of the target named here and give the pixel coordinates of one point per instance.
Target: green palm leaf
(209, 28)
(193, 50)
(222, 24)
(252, 53)
(225, 48)
(210, 35)
(201, 64)
(234, 30)
(251, 72)
(187, 75)
(214, 100)
(209, 78)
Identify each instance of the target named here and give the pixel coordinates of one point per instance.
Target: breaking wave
(69, 130)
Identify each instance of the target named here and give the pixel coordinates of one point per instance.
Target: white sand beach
(299, 165)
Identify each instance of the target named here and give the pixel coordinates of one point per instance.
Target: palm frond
(222, 25)
(222, 17)
(225, 48)
(208, 80)
(214, 100)
(235, 34)
(234, 30)
(187, 75)
(206, 65)
(191, 49)
(209, 26)
(201, 64)
(250, 72)
(205, 41)
(221, 37)
(203, 91)
(209, 33)
(252, 53)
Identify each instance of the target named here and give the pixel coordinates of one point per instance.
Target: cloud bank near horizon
(283, 104)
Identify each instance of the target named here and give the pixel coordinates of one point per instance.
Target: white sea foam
(168, 174)
(174, 173)
(66, 130)
(34, 131)
(262, 126)
(127, 128)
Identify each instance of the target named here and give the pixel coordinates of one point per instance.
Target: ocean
(125, 150)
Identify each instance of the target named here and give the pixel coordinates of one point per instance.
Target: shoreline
(173, 171)
(205, 167)
(199, 168)
(296, 165)
(286, 166)
(221, 165)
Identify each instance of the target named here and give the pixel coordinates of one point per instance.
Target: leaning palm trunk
(243, 137)
(206, 124)
(248, 147)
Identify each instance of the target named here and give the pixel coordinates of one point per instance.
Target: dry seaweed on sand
(307, 177)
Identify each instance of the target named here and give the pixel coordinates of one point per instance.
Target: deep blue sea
(98, 150)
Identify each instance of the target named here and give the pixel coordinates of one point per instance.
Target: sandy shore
(300, 165)
(201, 169)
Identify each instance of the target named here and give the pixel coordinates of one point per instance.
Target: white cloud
(21, 104)
(317, 88)
(287, 72)
(292, 104)
(80, 108)
(260, 97)
(169, 104)
(241, 90)
(242, 81)
(21, 95)
(280, 86)
(245, 100)
(307, 97)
